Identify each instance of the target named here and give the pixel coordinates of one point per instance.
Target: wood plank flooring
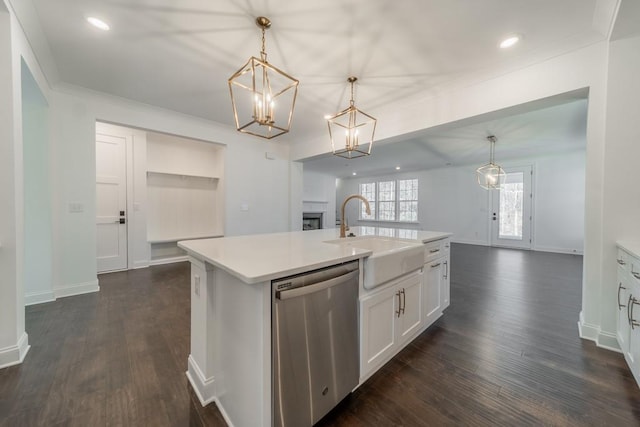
(506, 352)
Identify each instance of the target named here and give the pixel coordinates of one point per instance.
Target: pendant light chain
(263, 52)
(493, 151)
(352, 102)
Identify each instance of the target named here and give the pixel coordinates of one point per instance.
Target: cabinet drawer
(434, 250)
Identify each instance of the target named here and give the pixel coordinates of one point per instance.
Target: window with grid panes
(408, 200)
(391, 200)
(368, 191)
(387, 201)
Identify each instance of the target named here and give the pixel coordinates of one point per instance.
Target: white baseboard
(76, 289)
(204, 387)
(586, 330)
(14, 355)
(140, 264)
(39, 297)
(593, 333)
(557, 250)
(608, 341)
(469, 242)
(170, 260)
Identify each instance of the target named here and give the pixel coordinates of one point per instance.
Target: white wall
(450, 199)
(252, 180)
(14, 48)
(320, 187)
(11, 290)
(257, 192)
(38, 277)
(621, 203)
(296, 184)
(559, 185)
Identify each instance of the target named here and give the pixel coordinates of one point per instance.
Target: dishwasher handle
(305, 290)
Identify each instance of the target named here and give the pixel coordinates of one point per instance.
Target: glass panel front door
(511, 216)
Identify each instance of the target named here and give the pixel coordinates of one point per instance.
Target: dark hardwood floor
(506, 352)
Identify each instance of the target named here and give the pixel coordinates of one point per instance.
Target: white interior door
(111, 202)
(511, 214)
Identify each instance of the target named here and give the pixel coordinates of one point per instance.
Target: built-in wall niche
(185, 194)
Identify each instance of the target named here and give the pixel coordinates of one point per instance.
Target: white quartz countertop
(263, 257)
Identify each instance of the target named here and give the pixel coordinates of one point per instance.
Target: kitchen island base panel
(203, 387)
(231, 345)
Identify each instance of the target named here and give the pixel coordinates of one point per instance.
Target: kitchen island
(230, 360)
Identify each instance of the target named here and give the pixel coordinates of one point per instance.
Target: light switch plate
(196, 285)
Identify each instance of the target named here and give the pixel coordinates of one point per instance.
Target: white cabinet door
(633, 307)
(377, 328)
(432, 290)
(623, 313)
(411, 317)
(445, 290)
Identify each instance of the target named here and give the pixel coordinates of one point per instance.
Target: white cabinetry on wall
(390, 317)
(185, 194)
(628, 328)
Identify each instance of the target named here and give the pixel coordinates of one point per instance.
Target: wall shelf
(185, 195)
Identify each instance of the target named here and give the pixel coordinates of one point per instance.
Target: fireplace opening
(311, 220)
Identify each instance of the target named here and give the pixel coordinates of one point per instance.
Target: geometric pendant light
(351, 130)
(491, 176)
(262, 96)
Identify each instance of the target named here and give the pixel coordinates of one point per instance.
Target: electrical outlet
(196, 285)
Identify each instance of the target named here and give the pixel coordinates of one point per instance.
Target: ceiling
(541, 128)
(178, 54)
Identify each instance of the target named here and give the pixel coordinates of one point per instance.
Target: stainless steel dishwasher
(315, 343)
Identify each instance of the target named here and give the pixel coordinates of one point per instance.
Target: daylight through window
(391, 200)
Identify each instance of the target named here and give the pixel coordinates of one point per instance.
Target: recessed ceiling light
(353, 173)
(397, 168)
(509, 41)
(98, 23)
